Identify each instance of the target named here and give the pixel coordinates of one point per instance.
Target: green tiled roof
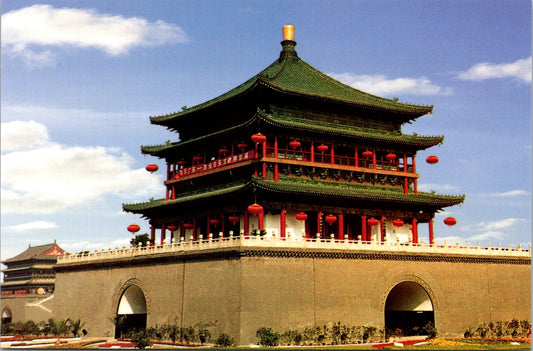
(192, 196)
(321, 188)
(296, 123)
(318, 188)
(291, 75)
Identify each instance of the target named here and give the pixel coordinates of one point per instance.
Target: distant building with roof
(29, 279)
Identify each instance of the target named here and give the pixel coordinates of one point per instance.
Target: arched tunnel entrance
(409, 309)
(131, 312)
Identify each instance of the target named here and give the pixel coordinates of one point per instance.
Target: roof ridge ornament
(288, 43)
(288, 32)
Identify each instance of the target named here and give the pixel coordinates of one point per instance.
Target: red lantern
(322, 148)
(172, 228)
(367, 154)
(432, 159)
(188, 225)
(214, 222)
(152, 168)
(133, 228)
(301, 216)
(372, 222)
(449, 221)
(197, 158)
(390, 157)
(398, 223)
(242, 146)
(182, 163)
(255, 209)
(259, 138)
(330, 219)
(234, 219)
(223, 152)
(295, 144)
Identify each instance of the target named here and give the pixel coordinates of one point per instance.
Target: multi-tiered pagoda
(295, 154)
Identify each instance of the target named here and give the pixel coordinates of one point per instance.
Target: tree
(140, 238)
(75, 327)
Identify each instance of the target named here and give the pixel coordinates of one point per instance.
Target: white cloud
(48, 176)
(19, 135)
(77, 246)
(382, 85)
(520, 70)
(511, 193)
(31, 226)
(45, 26)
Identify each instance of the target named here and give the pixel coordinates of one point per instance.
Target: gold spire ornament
(288, 32)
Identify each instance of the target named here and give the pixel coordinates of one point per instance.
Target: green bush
(141, 339)
(267, 337)
(225, 340)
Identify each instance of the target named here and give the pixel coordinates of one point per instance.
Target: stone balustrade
(294, 243)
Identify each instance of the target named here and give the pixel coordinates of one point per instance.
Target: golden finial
(288, 32)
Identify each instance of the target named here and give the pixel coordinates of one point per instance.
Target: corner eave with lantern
(293, 141)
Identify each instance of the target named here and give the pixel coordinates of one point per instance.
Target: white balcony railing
(294, 243)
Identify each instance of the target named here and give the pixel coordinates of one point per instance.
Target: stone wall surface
(23, 308)
(243, 291)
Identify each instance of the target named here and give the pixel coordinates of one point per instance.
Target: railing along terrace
(272, 241)
(326, 158)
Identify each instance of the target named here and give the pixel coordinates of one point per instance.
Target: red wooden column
(415, 181)
(318, 226)
(374, 158)
(276, 166)
(312, 151)
(167, 194)
(194, 229)
(332, 154)
(264, 163)
(152, 235)
(341, 227)
(356, 156)
(208, 227)
(363, 228)
(414, 229)
(162, 234)
(382, 228)
(430, 223)
(246, 223)
(173, 192)
(261, 220)
(405, 186)
(222, 224)
(282, 223)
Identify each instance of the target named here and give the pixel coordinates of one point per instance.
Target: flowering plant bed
(117, 344)
(171, 343)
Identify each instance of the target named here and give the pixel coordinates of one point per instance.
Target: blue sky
(80, 79)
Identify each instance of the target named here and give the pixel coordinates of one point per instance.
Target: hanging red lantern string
(301, 216)
(367, 154)
(223, 152)
(255, 209)
(432, 159)
(372, 222)
(330, 219)
(234, 219)
(214, 222)
(172, 228)
(133, 228)
(242, 146)
(295, 144)
(258, 138)
(390, 156)
(398, 223)
(152, 168)
(449, 221)
(197, 158)
(322, 148)
(182, 163)
(188, 225)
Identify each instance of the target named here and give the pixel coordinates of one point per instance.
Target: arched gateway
(131, 311)
(408, 308)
